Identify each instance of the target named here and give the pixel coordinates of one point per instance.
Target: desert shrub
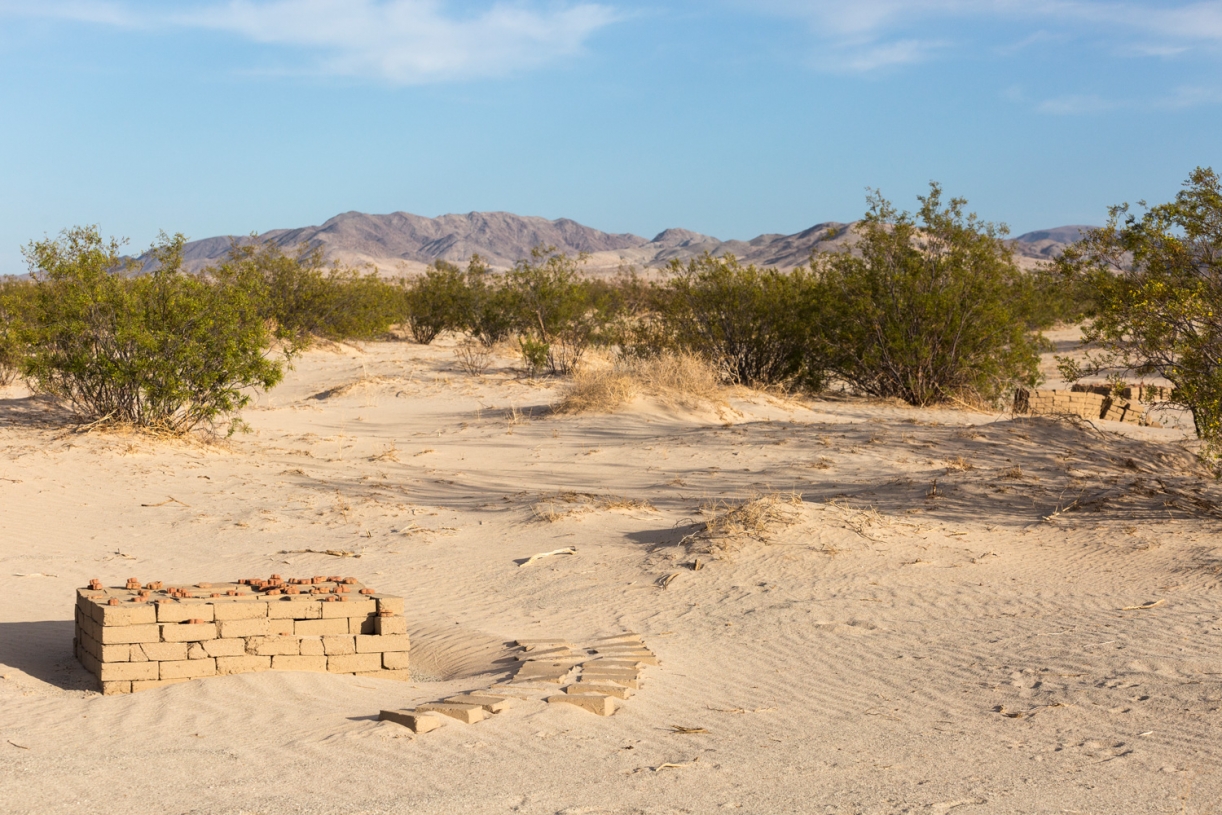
(755, 326)
(683, 379)
(436, 301)
(556, 312)
(1158, 280)
(16, 303)
(303, 298)
(489, 305)
(930, 309)
(165, 349)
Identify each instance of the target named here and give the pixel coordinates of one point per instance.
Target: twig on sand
(676, 728)
(664, 582)
(568, 550)
(1145, 606)
(18, 746)
(331, 552)
(170, 500)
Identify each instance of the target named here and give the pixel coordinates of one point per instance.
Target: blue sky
(729, 117)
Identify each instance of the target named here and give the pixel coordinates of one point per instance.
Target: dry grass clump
(958, 464)
(731, 524)
(562, 505)
(682, 379)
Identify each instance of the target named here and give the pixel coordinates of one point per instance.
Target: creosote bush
(16, 303)
(165, 350)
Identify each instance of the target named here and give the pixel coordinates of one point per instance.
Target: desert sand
(958, 612)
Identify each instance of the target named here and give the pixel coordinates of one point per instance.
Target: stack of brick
(1087, 404)
(147, 635)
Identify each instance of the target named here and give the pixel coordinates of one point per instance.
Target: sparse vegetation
(682, 379)
(16, 297)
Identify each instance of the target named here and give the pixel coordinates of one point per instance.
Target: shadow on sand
(43, 650)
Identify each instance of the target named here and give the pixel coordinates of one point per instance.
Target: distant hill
(404, 243)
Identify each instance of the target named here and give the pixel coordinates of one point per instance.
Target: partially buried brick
(352, 663)
(110, 688)
(188, 669)
(413, 721)
(600, 705)
(149, 684)
(289, 662)
(127, 671)
(606, 689)
(397, 676)
(468, 714)
(243, 664)
(492, 704)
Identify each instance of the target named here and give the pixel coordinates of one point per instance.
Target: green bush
(305, 299)
(436, 301)
(489, 306)
(927, 311)
(16, 304)
(755, 326)
(1158, 280)
(165, 350)
(557, 313)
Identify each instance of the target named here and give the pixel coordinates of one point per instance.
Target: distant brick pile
(1087, 404)
(147, 635)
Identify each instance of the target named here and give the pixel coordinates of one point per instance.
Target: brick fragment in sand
(389, 625)
(397, 676)
(413, 721)
(149, 684)
(188, 669)
(395, 660)
(492, 704)
(375, 644)
(350, 608)
(273, 646)
(312, 647)
(392, 604)
(287, 609)
(243, 664)
(320, 628)
(110, 688)
(251, 627)
(186, 632)
(604, 688)
(175, 612)
(196, 651)
(468, 714)
(240, 610)
(631, 637)
(164, 651)
(536, 643)
(335, 646)
(128, 614)
(225, 648)
(288, 662)
(127, 671)
(117, 635)
(352, 663)
(626, 681)
(595, 703)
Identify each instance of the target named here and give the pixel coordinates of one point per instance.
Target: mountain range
(404, 243)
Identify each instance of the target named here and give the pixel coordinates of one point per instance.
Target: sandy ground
(940, 624)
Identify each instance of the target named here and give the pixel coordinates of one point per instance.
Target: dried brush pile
(680, 379)
(731, 524)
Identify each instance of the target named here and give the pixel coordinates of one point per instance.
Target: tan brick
(334, 646)
(128, 614)
(349, 608)
(110, 688)
(319, 628)
(492, 704)
(351, 663)
(392, 604)
(253, 627)
(225, 648)
(373, 643)
(273, 646)
(389, 625)
(397, 676)
(361, 625)
(126, 653)
(196, 651)
(127, 671)
(118, 634)
(185, 632)
(470, 714)
(312, 647)
(606, 689)
(89, 661)
(413, 721)
(165, 651)
(188, 669)
(395, 660)
(282, 627)
(595, 703)
(299, 663)
(294, 609)
(90, 627)
(241, 665)
(149, 684)
(240, 610)
(177, 612)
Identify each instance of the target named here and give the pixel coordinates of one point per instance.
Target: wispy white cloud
(400, 41)
(1181, 98)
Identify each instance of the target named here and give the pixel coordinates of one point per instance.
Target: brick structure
(147, 635)
(1087, 404)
